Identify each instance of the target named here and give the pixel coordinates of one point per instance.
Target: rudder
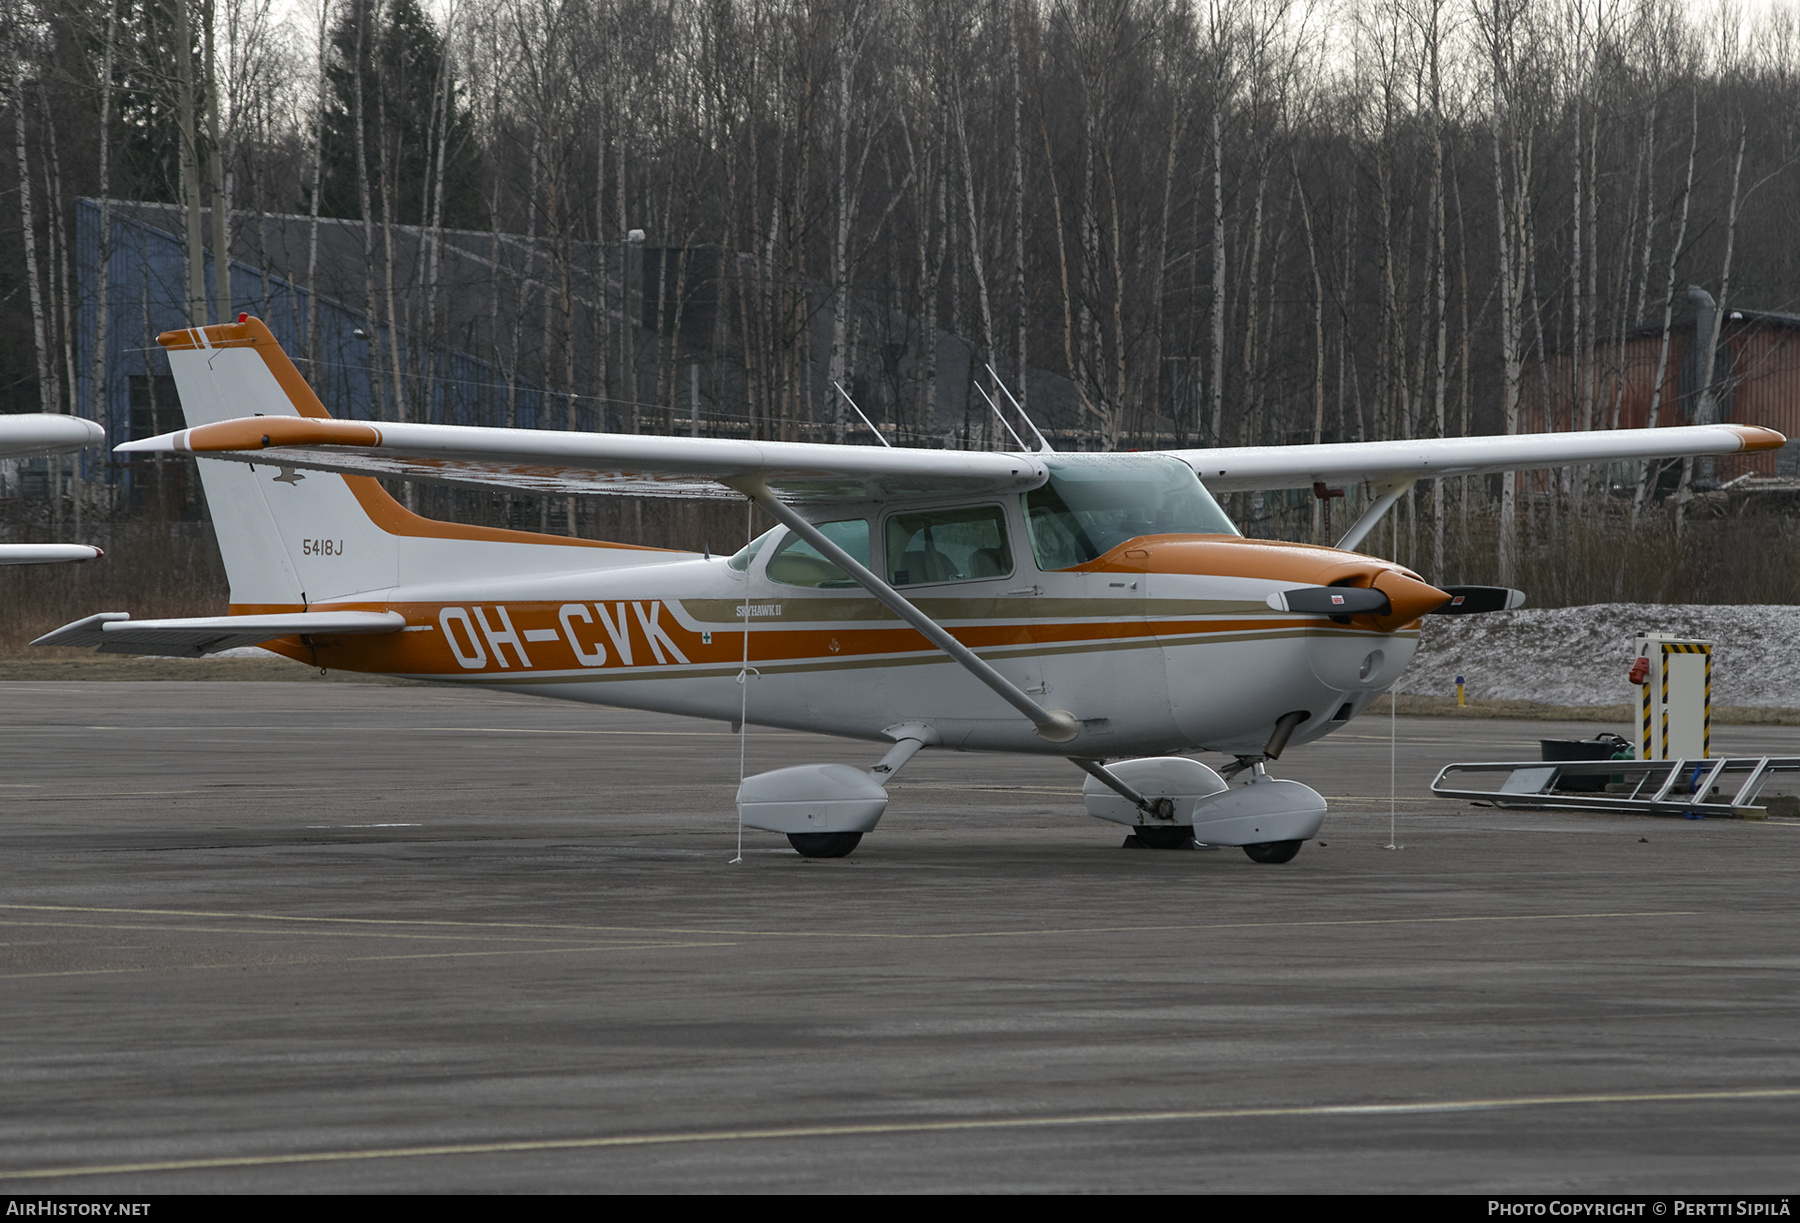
(292, 538)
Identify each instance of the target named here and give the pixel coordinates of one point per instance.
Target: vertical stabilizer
(294, 538)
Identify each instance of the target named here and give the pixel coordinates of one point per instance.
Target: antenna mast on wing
(859, 413)
(999, 417)
(1044, 446)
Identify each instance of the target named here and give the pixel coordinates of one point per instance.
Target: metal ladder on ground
(1723, 788)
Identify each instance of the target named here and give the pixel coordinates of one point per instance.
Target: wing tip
(1758, 437)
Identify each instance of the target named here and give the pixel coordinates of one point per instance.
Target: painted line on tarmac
(864, 934)
(314, 961)
(484, 730)
(474, 934)
(880, 1129)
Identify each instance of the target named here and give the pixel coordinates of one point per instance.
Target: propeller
(1332, 601)
(1479, 600)
(1344, 601)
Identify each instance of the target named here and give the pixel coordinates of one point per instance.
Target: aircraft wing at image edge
(29, 435)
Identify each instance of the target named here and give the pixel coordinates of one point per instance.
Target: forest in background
(1222, 221)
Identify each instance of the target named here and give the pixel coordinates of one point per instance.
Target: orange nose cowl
(1409, 597)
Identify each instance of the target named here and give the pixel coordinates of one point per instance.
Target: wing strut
(1054, 725)
(1387, 492)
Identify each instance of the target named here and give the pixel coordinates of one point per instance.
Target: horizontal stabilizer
(198, 636)
(42, 554)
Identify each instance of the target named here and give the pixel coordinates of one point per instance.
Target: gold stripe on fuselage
(815, 610)
(636, 640)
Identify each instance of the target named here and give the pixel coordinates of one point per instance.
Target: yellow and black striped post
(1675, 707)
(1706, 716)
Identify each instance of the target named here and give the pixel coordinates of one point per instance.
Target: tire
(824, 844)
(1181, 836)
(1273, 851)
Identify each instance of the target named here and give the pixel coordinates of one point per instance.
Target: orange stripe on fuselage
(491, 640)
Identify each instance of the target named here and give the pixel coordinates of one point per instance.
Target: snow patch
(1580, 655)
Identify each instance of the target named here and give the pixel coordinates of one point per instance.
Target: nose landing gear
(1181, 801)
(825, 844)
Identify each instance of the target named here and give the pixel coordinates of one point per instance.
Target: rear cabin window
(960, 545)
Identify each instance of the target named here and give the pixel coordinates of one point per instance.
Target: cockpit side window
(1093, 504)
(798, 563)
(959, 545)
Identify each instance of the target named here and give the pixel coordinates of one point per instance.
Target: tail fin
(290, 538)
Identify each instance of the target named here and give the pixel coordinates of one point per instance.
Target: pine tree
(402, 57)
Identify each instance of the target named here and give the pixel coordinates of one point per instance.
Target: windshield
(1092, 504)
(798, 563)
(748, 552)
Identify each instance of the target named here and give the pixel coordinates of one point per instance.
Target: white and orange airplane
(1098, 607)
(28, 435)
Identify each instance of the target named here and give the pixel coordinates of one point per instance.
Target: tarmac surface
(305, 937)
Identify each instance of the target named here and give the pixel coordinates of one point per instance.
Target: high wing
(1246, 468)
(265, 413)
(33, 434)
(237, 376)
(41, 554)
(546, 462)
(554, 462)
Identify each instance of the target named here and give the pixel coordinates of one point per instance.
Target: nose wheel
(1273, 851)
(831, 844)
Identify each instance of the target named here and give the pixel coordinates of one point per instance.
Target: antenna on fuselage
(859, 413)
(1044, 446)
(999, 417)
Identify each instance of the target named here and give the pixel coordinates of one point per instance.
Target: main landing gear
(1180, 836)
(824, 809)
(1168, 802)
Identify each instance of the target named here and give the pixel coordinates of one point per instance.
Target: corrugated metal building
(354, 375)
(1755, 381)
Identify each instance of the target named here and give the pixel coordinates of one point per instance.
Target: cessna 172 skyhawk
(1099, 607)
